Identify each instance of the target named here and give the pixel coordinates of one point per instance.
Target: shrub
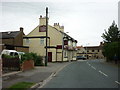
(110, 50)
(32, 56)
(38, 61)
(8, 56)
(26, 56)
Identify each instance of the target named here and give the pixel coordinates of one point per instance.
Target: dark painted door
(49, 56)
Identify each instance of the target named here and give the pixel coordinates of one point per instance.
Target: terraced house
(61, 47)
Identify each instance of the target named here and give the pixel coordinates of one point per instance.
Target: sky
(85, 20)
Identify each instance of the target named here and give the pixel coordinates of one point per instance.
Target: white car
(12, 53)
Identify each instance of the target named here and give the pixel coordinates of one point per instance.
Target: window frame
(42, 41)
(27, 40)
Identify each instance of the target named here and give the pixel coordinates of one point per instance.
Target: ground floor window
(65, 53)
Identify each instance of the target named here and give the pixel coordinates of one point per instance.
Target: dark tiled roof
(10, 34)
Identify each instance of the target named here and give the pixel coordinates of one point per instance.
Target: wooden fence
(10, 64)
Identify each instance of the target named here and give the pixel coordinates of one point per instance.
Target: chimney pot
(21, 29)
(55, 24)
(101, 43)
(40, 16)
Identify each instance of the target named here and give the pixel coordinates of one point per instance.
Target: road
(86, 74)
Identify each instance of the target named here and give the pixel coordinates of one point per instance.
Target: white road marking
(93, 67)
(103, 73)
(82, 60)
(117, 82)
(89, 64)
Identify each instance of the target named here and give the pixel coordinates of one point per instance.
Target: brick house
(94, 52)
(13, 40)
(91, 52)
(81, 51)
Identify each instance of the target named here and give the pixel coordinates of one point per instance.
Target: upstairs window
(70, 43)
(27, 41)
(42, 41)
(65, 42)
(74, 44)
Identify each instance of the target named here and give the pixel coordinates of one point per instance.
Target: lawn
(21, 85)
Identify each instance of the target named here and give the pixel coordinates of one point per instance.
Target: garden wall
(27, 65)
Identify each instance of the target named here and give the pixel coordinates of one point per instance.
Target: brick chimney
(42, 20)
(58, 27)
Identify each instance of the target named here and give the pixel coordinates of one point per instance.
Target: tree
(111, 47)
(113, 34)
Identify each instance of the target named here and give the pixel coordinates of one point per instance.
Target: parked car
(81, 57)
(20, 53)
(12, 53)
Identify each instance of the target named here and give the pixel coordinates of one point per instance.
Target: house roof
(9, 34)
(69, 37)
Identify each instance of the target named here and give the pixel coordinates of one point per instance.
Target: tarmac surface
(86, 74)
(0, 82)
(38, 75)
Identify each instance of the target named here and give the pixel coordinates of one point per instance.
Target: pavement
(0, 82)
(39, 75)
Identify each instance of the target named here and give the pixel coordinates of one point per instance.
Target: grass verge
(21, 85)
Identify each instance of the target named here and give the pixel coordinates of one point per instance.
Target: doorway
(49, 56)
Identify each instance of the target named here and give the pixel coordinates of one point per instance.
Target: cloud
(84, 20)
(59, 1)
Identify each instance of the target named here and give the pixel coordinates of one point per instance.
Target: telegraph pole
(46, 59)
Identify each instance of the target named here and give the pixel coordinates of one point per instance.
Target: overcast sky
(85, 20)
